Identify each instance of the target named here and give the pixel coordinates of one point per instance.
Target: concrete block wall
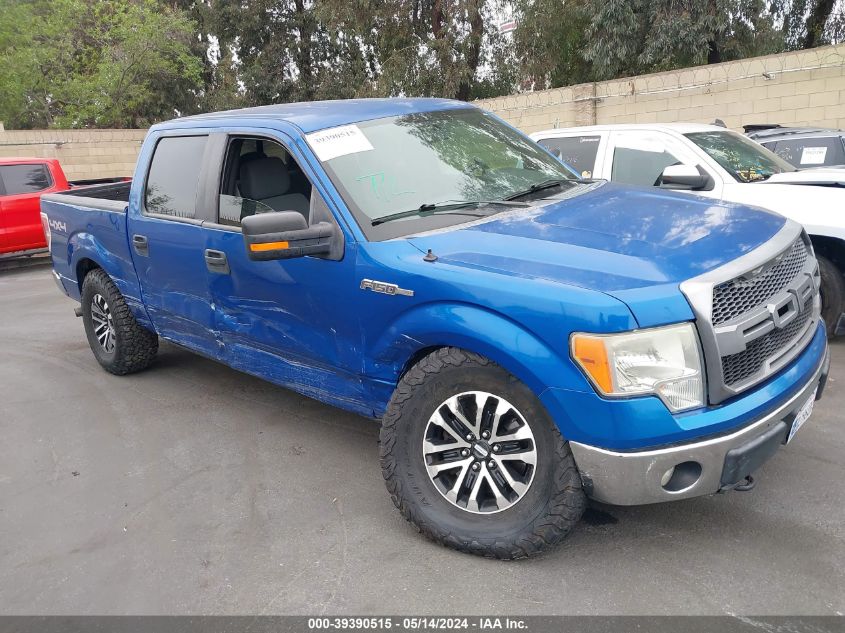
(83, 153)
(798, 88)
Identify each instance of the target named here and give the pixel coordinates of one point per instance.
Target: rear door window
(811, 152)
(17, 179)
(174, 176)
(579, 152)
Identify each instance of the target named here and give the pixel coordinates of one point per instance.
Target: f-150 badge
(385, 288)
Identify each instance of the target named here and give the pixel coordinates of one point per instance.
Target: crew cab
(528, 339)
(22, 183)
(711, 161)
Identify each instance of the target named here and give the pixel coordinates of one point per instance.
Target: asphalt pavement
(191, 488)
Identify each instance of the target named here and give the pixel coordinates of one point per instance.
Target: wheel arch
(83, 267)
(427, 328)
(831, 248)
(86, 252)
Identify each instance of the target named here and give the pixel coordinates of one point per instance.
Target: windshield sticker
(813, 155)
(338, 141)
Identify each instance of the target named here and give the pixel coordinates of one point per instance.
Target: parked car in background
(22, 183)
(708, 160)
(802, 147)
(527, 337)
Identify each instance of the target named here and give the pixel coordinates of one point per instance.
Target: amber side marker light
(268, 246)
(590, 353)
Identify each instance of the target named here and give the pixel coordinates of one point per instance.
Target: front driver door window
(640, 159)
(287, 314)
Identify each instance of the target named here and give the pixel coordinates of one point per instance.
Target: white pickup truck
(711, 161)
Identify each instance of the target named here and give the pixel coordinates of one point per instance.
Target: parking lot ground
(194, 489)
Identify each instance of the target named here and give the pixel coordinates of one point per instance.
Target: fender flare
(476, 329)
(84, 247)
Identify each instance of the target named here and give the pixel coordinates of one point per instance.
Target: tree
(629, 37)
(569, 41)
(549, 43)
(426, 47)
(72, 63)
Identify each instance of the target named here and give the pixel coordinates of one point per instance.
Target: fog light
(681, 477)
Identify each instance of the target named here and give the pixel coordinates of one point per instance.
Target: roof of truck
(317, 115)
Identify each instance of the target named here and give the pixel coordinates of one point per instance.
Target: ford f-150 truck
(528, 339)
(22, 183)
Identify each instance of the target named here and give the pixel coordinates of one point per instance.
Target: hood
(816, 176)
(635, 244)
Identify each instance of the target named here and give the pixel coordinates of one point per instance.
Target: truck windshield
(397, 166)
(744, 159)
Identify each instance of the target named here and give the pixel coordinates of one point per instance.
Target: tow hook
(746, 484)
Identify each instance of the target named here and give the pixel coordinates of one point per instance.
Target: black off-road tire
(833, 293)
(135, 346)
(542, 518)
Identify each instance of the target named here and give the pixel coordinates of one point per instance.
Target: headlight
(662, 361)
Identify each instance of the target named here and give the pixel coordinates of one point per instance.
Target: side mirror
(685, 177)
(556, 152)
(284, 235)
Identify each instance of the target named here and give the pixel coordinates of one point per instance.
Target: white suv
(711, 161)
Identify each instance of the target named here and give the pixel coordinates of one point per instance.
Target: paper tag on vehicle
(338, 141)
(813, 155)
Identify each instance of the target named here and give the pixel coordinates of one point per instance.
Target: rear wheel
(120, 344)
(833, 293)
(472, 459)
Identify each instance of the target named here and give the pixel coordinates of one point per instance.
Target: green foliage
(118, 63)
(629, 37)
(562, 42)
(71, 63)
(549, 42)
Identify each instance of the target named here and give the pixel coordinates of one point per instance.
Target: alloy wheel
(101, 319)
(479, 452)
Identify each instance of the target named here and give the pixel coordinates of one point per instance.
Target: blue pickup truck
(528, 339)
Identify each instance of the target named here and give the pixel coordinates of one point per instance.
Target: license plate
(802, 416)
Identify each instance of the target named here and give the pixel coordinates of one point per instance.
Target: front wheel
(472, 459)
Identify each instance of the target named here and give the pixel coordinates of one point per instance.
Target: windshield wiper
(440, 207)
(540, 186)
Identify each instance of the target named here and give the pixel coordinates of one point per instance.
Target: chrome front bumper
(635, 478)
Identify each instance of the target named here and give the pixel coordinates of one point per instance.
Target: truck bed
(107, 197)
(91, 220)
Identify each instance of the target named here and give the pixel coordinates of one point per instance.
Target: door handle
(216, 261)
(141, 245)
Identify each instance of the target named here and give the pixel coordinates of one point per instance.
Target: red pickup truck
(22, 183)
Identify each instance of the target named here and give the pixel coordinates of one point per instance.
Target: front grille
(756, 314)
(737, 368)
(738, 296)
